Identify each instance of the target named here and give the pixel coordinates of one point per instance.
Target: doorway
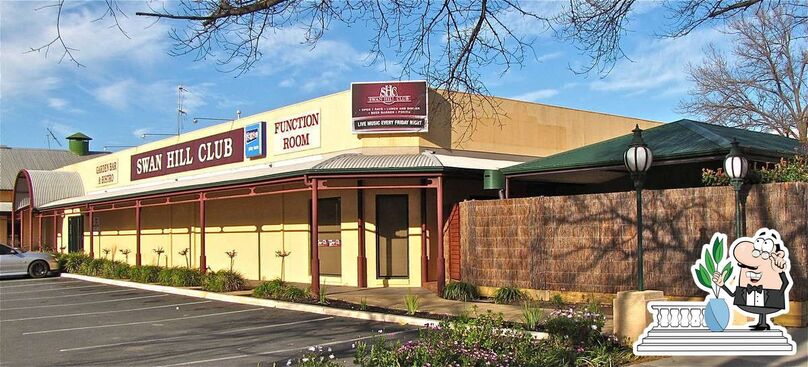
(392, 232)
(75, 234)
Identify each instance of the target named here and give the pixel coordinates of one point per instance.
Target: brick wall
(588, 243)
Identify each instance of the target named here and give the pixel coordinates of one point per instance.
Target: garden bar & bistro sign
(214, 150)
(389, 107)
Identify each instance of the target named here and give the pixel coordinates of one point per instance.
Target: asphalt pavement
(69, 322)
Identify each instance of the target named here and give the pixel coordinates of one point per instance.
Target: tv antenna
(50, 135)
(180, 109)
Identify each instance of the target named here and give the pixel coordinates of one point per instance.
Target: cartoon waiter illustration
(763, 282)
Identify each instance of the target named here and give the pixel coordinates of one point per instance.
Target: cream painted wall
(519, 129)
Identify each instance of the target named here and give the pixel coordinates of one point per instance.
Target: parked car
(14, 261)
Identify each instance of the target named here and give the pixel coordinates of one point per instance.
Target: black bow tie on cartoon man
(763, 282)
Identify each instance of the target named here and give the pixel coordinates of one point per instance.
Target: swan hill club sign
(214, 150)
(389, 107)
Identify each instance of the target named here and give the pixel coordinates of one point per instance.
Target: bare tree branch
(762, 85)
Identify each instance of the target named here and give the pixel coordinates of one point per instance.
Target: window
(392, 245)
(329, 236)
(5, 250)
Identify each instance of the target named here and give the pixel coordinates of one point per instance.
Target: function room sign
(214, 150)
(389, 107)
(296, 133)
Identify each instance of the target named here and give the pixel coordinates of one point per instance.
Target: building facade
(346, 189)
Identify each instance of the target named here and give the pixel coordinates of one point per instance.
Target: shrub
(223, 281)
(180, 277)
(484, 341)
(115, 270)
(280, 290)
(556, 301)
(577, 326)
(91, 267)
(460, 291)
(363, 304)
(791, 170)
(71, 262)
(144, 274)
(509, 295)
(531, 315)
(412, 302)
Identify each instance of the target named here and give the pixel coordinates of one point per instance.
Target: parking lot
(69, 322)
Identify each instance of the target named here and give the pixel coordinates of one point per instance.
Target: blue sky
(128, 86)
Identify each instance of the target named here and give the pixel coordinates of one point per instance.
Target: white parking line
(141, 322)
(228, 358)
(43, 284)
(42, 280)
(55, 289)
(149, 341)
(106, 312)
(84, 303)
(67, 295)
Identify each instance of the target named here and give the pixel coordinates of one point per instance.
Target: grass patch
(531, 315)
(412, 302)
(223, 281)
(460, 291)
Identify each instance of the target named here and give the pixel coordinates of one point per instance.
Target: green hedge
(280, 290)
(223, 281)
(144, 274)
(180, 277)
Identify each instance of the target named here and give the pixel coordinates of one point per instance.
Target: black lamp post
(736, 166)
(638, 159)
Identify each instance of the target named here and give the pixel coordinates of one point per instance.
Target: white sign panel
(296, 133)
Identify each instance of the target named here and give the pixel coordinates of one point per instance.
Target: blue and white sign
(255, 140)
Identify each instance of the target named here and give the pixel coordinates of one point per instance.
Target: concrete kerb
(247, 300)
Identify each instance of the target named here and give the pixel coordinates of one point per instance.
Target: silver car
(14, 261)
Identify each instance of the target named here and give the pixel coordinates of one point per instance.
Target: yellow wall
(518, 130)
(257, 227)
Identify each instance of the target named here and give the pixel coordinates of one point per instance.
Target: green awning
(681, 139)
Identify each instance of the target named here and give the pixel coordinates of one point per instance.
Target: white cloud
(139, 132)
(117, 94)
(536, 95)
(101, 49)
(660, 65)
(549, 56)
(57, 103)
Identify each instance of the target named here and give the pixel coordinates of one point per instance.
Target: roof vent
(79, 144)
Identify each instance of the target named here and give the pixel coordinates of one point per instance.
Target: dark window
(329, 235)
(392, 232)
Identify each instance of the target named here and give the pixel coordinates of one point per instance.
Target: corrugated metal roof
(675, 140)
(13, 160)
(47, 186)
(344, 163)
(393, 162)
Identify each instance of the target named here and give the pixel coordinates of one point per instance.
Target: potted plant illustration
(716, 313)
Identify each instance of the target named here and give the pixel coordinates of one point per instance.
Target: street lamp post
(638, 159)
(736, 166)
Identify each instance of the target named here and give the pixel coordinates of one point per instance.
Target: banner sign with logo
(255, 140)
(106, 172)
(389, 107)
(296, 133)
(196, 154)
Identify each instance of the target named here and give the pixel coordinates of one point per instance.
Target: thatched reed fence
(587, 243)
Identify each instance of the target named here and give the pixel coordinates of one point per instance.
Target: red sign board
(214, 150)
(389, 107)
